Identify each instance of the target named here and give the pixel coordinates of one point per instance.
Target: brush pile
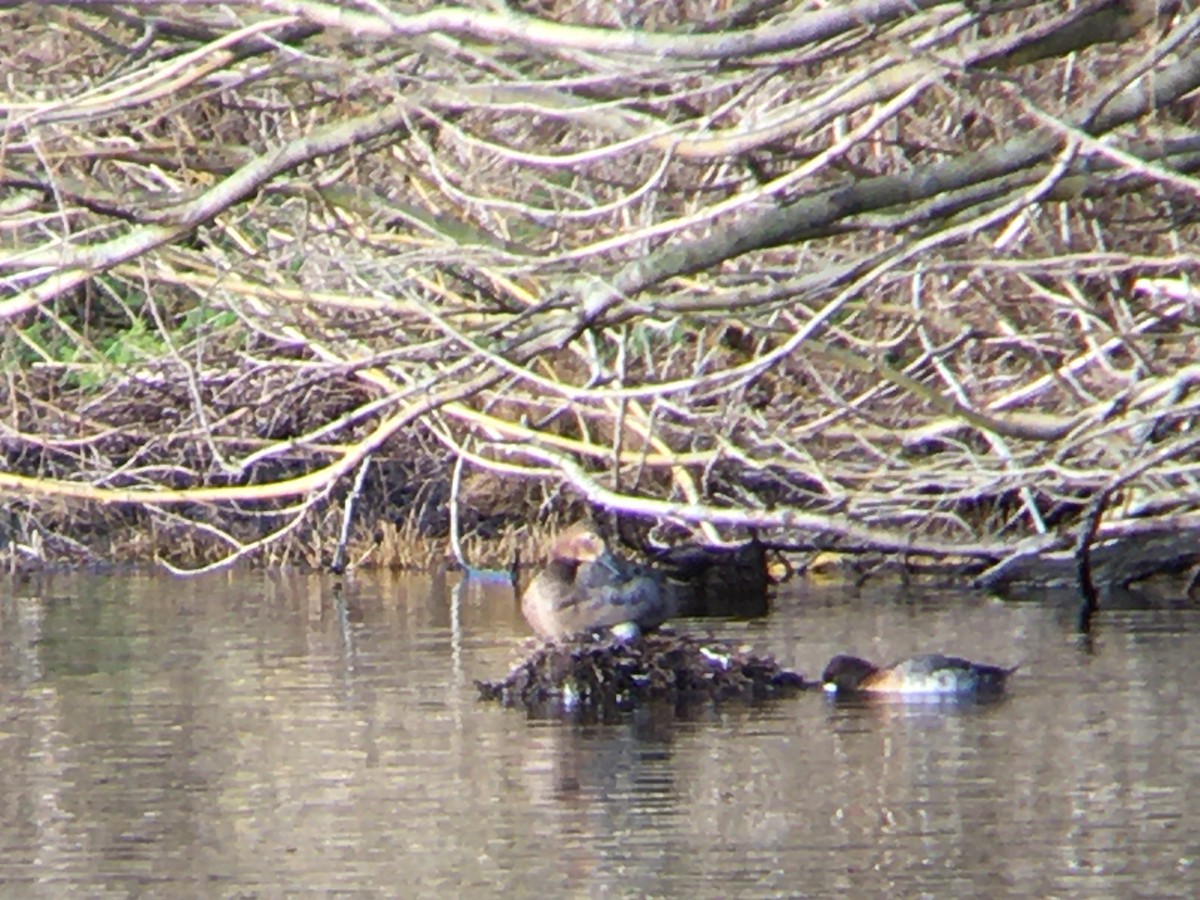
(606, 674)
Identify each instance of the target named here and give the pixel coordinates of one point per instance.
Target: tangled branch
(912, 278)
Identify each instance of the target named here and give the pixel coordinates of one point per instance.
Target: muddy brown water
(266, 735)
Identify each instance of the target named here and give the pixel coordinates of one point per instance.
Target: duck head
(845, 674)
(579, 544)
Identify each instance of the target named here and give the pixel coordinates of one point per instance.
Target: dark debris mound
(611, 674)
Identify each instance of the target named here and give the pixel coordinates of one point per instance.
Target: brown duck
(584, 587)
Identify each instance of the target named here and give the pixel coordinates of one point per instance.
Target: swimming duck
(928, 674)
(584, 587)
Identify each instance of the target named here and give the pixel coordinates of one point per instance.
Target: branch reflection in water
(252, 732)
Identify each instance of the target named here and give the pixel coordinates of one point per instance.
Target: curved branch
(816, 213)
(777, 36)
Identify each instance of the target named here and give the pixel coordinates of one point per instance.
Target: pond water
(259, 735)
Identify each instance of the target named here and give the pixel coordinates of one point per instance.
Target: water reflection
(255, 734)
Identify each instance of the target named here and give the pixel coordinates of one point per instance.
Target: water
(257, 735)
